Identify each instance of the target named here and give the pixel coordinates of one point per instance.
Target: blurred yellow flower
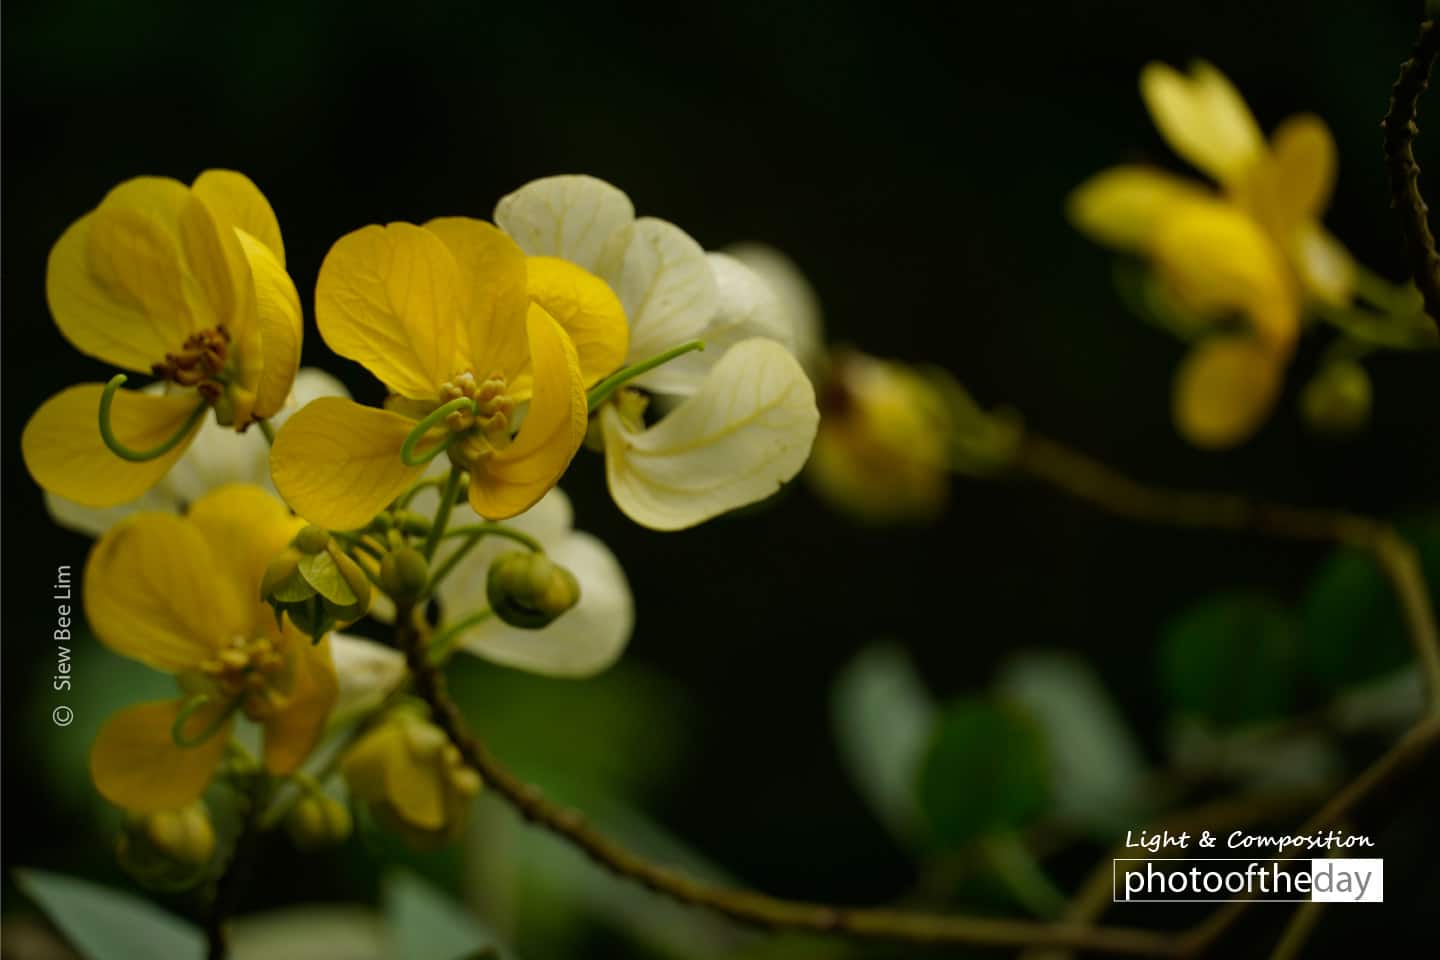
(882, 453)
(446, 311)
(187, 284)
(182, 595)
(1255, 248)
(412, 778)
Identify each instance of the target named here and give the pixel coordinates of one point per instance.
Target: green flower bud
(528, 590)
(318, 820)
(170, 850)
(316, 583)
(1337, 399)
(312, 539)
(404, 574)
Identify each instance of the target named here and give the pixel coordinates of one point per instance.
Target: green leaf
(322, 573)
(1097, 764)
(985, 772)
(105, 924)
(424, 924)
(1231, 660)
(1354, 631)
(882, 715)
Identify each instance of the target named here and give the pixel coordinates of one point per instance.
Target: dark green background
(913, 161)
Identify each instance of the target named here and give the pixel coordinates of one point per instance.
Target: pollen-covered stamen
(199, 363)
(248, 669)
(484, 427)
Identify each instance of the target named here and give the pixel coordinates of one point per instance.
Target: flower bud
(169, 850)
(312, 539)
(528, 590)
(1337, 399)
(404, 574)
(316, 583)
(318, 820)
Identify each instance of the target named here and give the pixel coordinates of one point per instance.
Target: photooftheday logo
(1174, 881)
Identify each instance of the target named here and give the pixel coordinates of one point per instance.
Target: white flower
(217, 456)
(743, 415)
(799, 303)
(584, 639)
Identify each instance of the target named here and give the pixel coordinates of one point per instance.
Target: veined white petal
(799, 304)
(366, 672)
(582, 641)
(567, 216)
(665, 283)
(217, 456)
(747, 430)
(747, 308)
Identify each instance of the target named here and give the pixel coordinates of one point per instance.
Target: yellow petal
(512, 480)
(1292, 184)
(492, 280)
(245, 527)
(587, 309)
(237, 202)
(364, 763)
(1225, 389)
(154, 592)
(1203, 118)
(280, 324)
(414, 789)
(64, 453)
(390, 298)
(1218, 259)
(338, 464)
(294, 730)
(136, 764)
(1123, 206)
(113, 280)
(218, 267)
(1326, 268)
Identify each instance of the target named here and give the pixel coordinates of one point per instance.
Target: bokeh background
(914, 162)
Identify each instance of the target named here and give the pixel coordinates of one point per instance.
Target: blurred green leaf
(1097, 764)
(986, 771)
(309, 933)
(105, 924)
(1354, 630)
(1230, 660)
(424, 924)
(882, 716)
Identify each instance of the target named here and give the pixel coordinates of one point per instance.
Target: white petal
(568, 216)
(747, 308)
(94, 521)
(585, 639)
(664, 280)
(311, 383)
(747, 430)
(799, 303)
(366, 671)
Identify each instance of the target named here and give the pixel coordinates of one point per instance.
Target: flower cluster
(230, 557)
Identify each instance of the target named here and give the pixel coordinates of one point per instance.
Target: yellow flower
(412, 778)
(182, 595)
(448, 310)
(882, 453)
(1254, 247)
(187, 284)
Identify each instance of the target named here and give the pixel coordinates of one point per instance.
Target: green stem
(177, 729)
(357, 543)
(404, 499)
(1026, 880)
(442, 513)
(498, 530)
(602, 390)
(441, 643)
(107, 397)
(267, 428)
(407, 449)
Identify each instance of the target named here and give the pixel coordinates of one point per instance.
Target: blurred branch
(1101, 486)
(227, 884)
(895, 926)
(1400, 131)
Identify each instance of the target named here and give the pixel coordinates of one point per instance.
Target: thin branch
(1400, 131)
(227, 885)
(1102, 486)
(895, 926)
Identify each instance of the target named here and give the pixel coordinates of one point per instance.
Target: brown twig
(872, 924)
(1405, 197)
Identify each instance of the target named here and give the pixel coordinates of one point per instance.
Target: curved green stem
(407, 449)
(442, 513)
(268, 429)
(177, 729)
(498, 530)
(602, 390)
(444, 640)
(107, 397)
